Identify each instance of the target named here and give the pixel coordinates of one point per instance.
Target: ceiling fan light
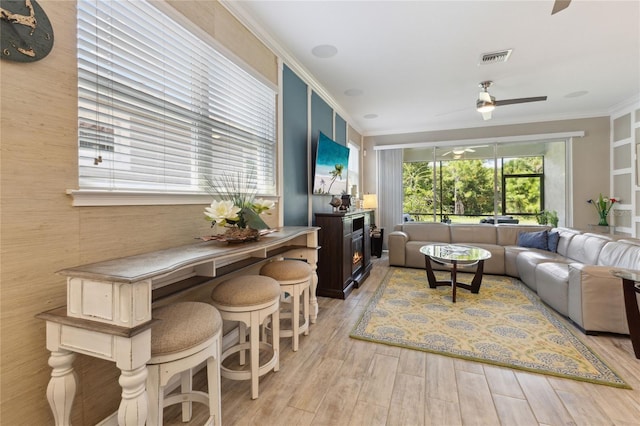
(483, 106)
(458, 151)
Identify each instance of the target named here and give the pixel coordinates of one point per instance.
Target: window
(523, 183)
(469, 185)
(160, 109)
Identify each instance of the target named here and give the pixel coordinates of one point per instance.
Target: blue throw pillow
(552, 241)
(539, 240)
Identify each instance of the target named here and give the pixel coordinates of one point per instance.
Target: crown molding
(237, 9)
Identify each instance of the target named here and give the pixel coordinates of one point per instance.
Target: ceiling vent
(495, 57)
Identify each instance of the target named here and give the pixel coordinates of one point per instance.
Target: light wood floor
(336, 380)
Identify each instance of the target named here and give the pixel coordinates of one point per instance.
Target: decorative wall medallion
(26, 34)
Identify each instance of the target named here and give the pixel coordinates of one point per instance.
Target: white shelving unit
(625, 169)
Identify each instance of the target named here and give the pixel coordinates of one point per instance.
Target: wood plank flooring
(336, 380)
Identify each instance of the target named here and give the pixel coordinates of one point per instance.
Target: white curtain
(389, 190)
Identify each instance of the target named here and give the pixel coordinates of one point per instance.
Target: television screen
(331, 167)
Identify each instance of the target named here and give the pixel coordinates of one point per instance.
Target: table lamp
(370, 201)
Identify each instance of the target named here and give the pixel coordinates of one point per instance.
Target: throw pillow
(552, 241)
(539, 239)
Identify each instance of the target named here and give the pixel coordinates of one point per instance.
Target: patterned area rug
(505, 324)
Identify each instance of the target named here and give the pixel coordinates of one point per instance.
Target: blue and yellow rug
(505, 324)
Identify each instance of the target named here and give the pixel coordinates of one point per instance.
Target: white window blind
(159, 108)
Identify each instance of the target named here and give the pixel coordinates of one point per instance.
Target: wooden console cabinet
(344, 260)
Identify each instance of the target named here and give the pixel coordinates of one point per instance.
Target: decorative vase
(603, 220)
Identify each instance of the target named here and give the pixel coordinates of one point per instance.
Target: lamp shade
(370, 201)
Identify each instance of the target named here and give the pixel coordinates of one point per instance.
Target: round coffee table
(454, 255)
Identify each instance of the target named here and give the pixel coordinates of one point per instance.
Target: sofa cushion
(539, 240)
(552, 283)
(566, 235)
(413, 257)
(585, 248)
(527, 261)
(510, 255)
(427, 231)
(473, 234)
(495, 264)
(620, 254)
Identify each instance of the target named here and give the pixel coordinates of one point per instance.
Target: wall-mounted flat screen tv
(331, 167)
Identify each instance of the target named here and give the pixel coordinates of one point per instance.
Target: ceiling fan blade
(486, 115)
(560, 5)
(520, 100)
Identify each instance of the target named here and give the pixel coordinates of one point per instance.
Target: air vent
(495, 57)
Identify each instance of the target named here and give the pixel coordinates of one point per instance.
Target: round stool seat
(294, 277)
(286, 271)
(245, 291)
(183, 326)
(184, 336)
(251, 300)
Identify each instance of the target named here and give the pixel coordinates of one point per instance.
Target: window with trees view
(480, 183)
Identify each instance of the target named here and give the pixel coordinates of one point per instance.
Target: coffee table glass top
(457, 253)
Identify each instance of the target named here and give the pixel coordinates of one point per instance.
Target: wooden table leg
(433, 282)
(477, 278)
(633, 313)
(431, 278)
(62, 387)
(131, 358)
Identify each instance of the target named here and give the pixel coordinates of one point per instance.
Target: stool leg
(242, 338)
(295, 316)
(186, 385)
(276, 338)
(254, 336)
(155, 395)
(213, 389)
(305, 309)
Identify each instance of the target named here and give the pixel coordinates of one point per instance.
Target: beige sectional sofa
(575, 281)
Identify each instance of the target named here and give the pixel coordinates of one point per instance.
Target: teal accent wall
(341, 131)
(295, 152)
(321, 121)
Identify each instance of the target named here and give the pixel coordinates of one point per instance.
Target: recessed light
(353, 92)
(576, 94)
(371, 116)
(324, 51)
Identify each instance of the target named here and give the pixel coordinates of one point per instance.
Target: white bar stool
(294, 277)
(186, 335)
(251, 300)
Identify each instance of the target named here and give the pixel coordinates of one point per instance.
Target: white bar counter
(109, 307)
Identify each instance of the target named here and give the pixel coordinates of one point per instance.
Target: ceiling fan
(487, 103)
(458, 151)
(560, 5)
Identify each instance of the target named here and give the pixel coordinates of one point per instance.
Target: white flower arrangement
(236, 205)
